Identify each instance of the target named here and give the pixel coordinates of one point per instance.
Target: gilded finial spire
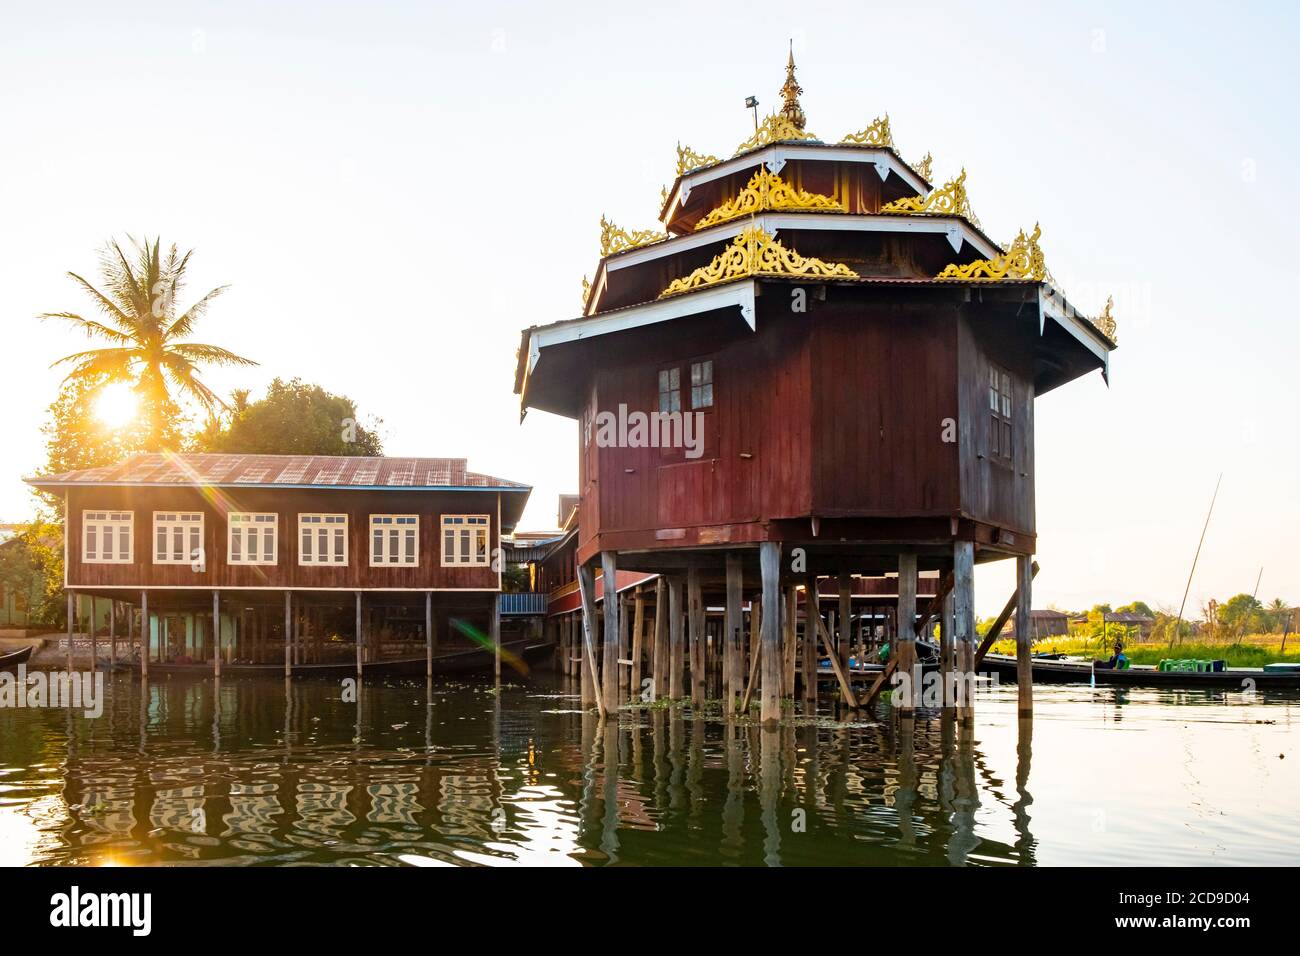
(791, 109)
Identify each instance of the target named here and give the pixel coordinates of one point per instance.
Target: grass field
(1253, 650)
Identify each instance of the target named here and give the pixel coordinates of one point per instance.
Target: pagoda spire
(790, 108)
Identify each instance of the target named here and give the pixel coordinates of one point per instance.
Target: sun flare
(116, 405)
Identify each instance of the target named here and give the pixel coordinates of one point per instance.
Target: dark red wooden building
(846, 367)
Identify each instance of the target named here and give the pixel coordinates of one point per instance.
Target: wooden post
(428, 634)
(112, 636)
(809, 666)
(660, 670)
(94, 645)
(845, 631)
(609, 656)
(288, 633)
(591, 685)
(216, 633)
(695, 624)
(624, 649)
(72, 621)
(733, 674)
(947, 652)
(964, 635)
(146, 635)
(769, 558)
(638, 636)
(906, 647)
(360, 634)
(675, 639)
(789, 641)
(496, 636)
(1024, 642)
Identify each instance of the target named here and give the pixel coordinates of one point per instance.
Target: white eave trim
(740, 294)
(1052, 305)
(775, 156)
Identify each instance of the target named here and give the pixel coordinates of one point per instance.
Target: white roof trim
(739, 294)
(1052, 305)
(776, 155)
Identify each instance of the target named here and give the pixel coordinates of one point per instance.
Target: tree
(295, 419)
(146, 336)
(1241, 614)
(31, 564)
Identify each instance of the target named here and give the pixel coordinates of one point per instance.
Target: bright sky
(394, 191)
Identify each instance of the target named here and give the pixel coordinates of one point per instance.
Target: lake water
(252, 772)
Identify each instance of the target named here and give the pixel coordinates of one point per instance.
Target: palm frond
(182, 373)
(127, 323)
(113, 364)
(121, 279)
(185, 324)
(213, 354)
(90, 327)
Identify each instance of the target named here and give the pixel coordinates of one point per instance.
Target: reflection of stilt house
(299, 560)
(822, 368)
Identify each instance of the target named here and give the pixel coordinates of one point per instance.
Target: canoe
(467, 661)
(17, 657)
(1075, 672)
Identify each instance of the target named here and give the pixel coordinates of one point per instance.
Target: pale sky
(394, 190)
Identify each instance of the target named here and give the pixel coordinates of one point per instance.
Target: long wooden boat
(467, 661)
(1074, 672)
(14, 658)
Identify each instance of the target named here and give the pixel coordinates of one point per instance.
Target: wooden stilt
(947, 652)
(638, 637)
(609, 657)
(732, 621)
(695, 624)
(72, 623)
(769, 558)
(808, 665)
(661, 648)
(288, 634)
(964, 635)
(591, 685)
(789, 640)
(846, 688)
(496, 637)
(94, 645)
(112, 636)
(624, 649)
(360, 635)
(676, 638)
(146, 635)
(844, 635)
(428, 634)
(906, 646)
(1024, 641)
(755, 654)
(216, 633)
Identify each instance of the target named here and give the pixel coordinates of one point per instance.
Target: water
(454, 774)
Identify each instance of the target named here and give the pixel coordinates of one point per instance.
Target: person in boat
(1117, 660)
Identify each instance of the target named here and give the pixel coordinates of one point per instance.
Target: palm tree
(139, 304)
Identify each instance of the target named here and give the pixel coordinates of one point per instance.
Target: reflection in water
(436, 773)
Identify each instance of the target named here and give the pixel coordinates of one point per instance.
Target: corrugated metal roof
(282, 470)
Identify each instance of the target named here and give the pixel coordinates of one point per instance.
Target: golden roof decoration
(754, 252)
(877, 134)
(1023, 259)
(924, 167)
(586, 291)
(1106, 322)
(790, 107)
(949, 200)
(613, 239)
(688, 160)
(777, 128)
(767, 190)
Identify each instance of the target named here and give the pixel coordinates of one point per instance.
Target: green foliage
(294, 418)
(1242, 614)
(31, 563)
(145, 336)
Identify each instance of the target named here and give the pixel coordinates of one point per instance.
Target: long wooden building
(820, 367)
(310, 561)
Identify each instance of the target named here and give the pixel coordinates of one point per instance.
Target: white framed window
(253, 537)
(394, 539)
(702, 384)
(670, 396)
(465, 541)
(178, 537)
(107, 537)
(323, 539)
